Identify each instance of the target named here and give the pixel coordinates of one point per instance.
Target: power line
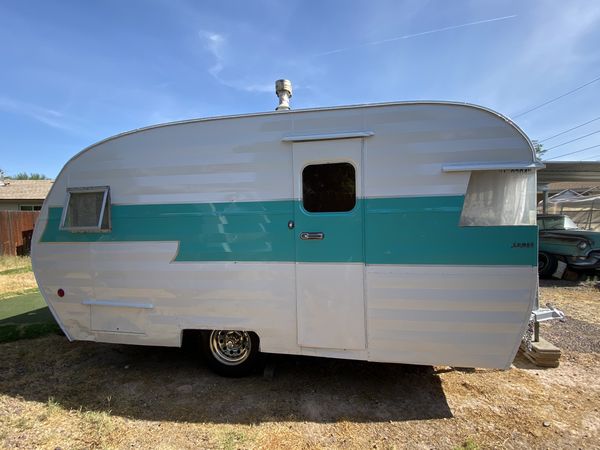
(557, 98)
(572, 153)
(573, 140)
(570, 129)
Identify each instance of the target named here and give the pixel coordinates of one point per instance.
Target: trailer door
(329, 243)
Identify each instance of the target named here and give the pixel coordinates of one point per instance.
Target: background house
(20, 203)
(23, 195)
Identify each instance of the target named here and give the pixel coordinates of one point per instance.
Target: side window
(329, 187)
(87, 209)
(29, 207)
(500, 197)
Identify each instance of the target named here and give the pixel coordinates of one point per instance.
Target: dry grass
(16, 276)
(581, 300)
(42, 425)
(14, 262)
(84, 395)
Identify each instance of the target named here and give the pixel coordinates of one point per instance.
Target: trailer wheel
(231, 353)
(547, 264)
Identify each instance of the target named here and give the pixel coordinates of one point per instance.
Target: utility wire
(557, 98)
(573, 140)
(572, 153)
(570, 129)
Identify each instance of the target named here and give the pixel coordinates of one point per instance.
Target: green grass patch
(9, 333)
(24, 317)
(232, 440)
(469, 444)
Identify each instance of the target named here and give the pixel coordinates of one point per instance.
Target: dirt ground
(56, 394)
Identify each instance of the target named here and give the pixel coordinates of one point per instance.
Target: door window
(329, 187)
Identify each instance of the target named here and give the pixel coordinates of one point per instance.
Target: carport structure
(586, 173)
(567, 171)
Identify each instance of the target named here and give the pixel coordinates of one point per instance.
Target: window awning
(496, 165)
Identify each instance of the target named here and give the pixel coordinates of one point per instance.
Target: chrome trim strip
(118, 304)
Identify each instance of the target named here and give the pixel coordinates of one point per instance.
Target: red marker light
(60, 293)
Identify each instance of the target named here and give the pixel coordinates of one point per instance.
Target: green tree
(30, 176)
(539, 149)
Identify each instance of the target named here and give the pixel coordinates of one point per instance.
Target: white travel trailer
(399, 232)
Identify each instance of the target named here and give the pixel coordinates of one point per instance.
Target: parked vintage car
(561, 240)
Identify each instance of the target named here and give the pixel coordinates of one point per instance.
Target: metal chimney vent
(283, 89)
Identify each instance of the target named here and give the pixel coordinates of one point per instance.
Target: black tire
(231, 353)
(547, 264)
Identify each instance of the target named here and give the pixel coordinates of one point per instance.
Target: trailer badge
(522, 245)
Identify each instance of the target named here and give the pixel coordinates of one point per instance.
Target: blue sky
(75, 72)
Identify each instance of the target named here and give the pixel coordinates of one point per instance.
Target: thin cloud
(216, 45)
(46, 116)
(410, 36)
(514, 86)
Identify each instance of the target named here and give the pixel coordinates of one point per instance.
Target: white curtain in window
(500, 197)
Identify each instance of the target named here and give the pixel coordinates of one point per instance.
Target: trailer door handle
(312, 235)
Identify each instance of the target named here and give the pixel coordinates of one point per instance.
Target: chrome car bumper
(591, 261)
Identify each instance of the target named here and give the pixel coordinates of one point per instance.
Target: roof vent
(283, 89)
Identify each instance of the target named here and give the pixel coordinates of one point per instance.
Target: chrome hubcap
(230, 347)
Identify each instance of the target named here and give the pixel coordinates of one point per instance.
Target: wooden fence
(16, 230)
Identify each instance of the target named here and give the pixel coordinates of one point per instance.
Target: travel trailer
(398, 232)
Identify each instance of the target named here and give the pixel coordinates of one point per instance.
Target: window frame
(319, 163)
(103, 210)
(29, 207)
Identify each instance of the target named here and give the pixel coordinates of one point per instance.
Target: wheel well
(190, 340)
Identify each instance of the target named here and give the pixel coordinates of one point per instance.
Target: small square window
(88, 209)
(329, 187)
(30, 207)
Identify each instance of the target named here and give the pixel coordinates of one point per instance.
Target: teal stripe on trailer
(408, 230)
(425, 230)
(241, 231)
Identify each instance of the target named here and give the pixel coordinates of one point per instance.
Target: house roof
(25, 189)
